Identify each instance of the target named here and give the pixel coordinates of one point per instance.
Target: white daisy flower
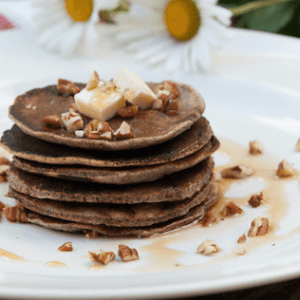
(174, 33)
(65, 26)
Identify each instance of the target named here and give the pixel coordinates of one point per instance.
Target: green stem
(253, 6)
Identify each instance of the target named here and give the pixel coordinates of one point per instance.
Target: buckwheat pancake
(193, 215)
(27, 147)
(126, 175)
(149, 127)
(119, 215)
(175, 187)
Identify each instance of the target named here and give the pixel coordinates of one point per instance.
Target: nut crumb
(53, 121)
(128, 111)
(285, 169)
(208, 247)
(231, 209)
(124, 132)
(73, 107)
(102, 257)
(255, 147)
(255, 200)
(242, 239)
(237, 172)
(208, 219)
(72, 121)
(79, 133)
(127, 254)
(172, 108)
(28, 106)
(92, 235)
(93, 82)
(66, 247)
(15, 213)
(172, 88)
(157, 104)
(67, 87)
(217, 177)
(259, 226)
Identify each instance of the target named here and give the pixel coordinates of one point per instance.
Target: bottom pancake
(194, 214)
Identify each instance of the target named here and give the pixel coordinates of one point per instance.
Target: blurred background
(276, 16)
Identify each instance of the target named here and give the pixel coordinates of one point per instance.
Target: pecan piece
(96, 128)
(172, 88)
(255, 200)
(124, 132)
(242, 239)
(93, 81)
(92, 234)
(285, 169)
(231, 209)
(259, 226)
(4, 161)
(208, 219)
(255, 148)
(72, 121)
(15, 214)
(66, 247)
(103, 257)
(172, 108)
(67, 87)
(208, 247)
(128, 111)
(53, 121)
(237, 172)
(127, 254)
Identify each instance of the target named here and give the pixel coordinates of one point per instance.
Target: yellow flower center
(79, 10)
(182, 19)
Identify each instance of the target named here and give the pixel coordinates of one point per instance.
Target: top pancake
(149, 127)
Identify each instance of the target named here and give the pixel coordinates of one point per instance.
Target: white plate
(252, 93)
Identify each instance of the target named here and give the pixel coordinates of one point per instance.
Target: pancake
(120, 175)
(149, 127)
(24, 146)
(118, 215)
(194, 214)
(175, 187)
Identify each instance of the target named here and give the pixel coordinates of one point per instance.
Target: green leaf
(270, 19)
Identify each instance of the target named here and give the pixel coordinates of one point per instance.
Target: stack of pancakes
(160, 180)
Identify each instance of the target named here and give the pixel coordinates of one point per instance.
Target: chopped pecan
(208, 219)
(124, 132)
(172, 108)
(53, 121)
(259, 226)
(72, 121)
(2, 206)
(92, 234)
(208, 247)
(4, 161)
(127, 254)
(4, 167)
(98, 128)
(15, 213)
(172, 88)
(73, 107)
(79, 133)
(66, 247)
(242, 239)
(231, 209)
(157, 104)
(67, 87)
(128, 111)
(255, 200)
(103, 257)
(217, 176)
(93, 81)
(255, 147)
(285, 169)
(237, 172)
(102, 136)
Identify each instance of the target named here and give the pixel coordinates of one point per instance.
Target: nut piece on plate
(53, 121)
(259, 226)
(208, 219)
(127, 254)
(97, 129)
(172, 88)
(128, 111)
(237, 172)
(73, 107)
(231, 209)
(285, 169)
(103, 257)
(172, 108)
(15, 213)
(4, 167)
(124, 132)
(255, 147)
(67, 87)
(242, 239)
(92, 235)
(66, 247)
(255, 200)
(208, 247)
(93, 81)
(72, 121)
